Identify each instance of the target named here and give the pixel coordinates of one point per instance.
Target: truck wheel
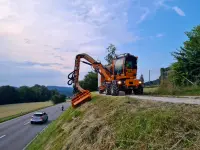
(141, 90)
(114, 90)
(138, 91)
(108, 89)
(128, 92)
(100, 91)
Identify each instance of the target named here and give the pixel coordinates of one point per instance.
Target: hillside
(62, 90)
(123, 123)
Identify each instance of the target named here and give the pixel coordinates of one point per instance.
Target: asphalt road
(17, 133)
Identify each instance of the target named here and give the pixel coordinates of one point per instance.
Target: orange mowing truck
(120, 75)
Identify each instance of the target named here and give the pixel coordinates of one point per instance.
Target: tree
(111, 53)
(90, 81)
(54, 92)
(26, 94)
(187, 67)
(41, 93)
(60, 98)
(8, 95)
(37, 93)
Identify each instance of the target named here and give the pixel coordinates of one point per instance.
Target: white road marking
(44, 129)
(2, 136)
(30, 142)
(27, 123)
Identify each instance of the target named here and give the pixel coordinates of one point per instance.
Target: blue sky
(40, 38)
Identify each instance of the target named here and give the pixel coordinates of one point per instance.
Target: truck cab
(124, 74)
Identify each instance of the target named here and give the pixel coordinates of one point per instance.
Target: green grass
(150, 90)
(123, 123)
(152, 129)
(11, 111)
(176, 91)
(152, 86)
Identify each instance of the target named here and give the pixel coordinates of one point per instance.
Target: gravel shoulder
(185, 100)
(170, 99)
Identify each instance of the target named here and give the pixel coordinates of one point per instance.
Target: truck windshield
(119, 66)
(131, 63)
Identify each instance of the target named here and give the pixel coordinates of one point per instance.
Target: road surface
(17, 133)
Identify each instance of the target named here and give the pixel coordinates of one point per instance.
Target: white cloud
(144, 15)
(55, 31)
(152, 37)
(178, 11)
(162, 3)
(159, 35)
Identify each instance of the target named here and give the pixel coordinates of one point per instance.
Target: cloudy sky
(40, 38)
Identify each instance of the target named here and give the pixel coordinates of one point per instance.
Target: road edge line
(34, 138)
(2, 136)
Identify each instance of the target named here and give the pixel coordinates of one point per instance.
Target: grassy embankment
(11, 111)
(123, 123)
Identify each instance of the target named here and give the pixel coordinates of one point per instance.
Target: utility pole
(149, 75)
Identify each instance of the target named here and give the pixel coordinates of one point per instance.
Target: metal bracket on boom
(71, 78)
(86, 63)
(81, 95)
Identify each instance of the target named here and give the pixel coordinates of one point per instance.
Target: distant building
(142, 78)
(164, 73)
(151, 83)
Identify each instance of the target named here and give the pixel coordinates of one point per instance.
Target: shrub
(58, 98)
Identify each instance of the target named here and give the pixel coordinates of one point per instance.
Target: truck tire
(114, 90)
(100, 91)
(139, 91)
(108, 89)
(128, 92)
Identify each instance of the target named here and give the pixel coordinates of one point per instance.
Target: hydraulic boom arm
(73, 77)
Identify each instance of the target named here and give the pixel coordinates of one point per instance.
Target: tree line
(25, 94)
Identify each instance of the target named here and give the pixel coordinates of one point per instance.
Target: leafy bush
(169, 88)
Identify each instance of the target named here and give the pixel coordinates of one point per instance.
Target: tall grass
(123, 123)
(167, 88)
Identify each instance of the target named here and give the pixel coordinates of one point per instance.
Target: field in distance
(14, 110)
